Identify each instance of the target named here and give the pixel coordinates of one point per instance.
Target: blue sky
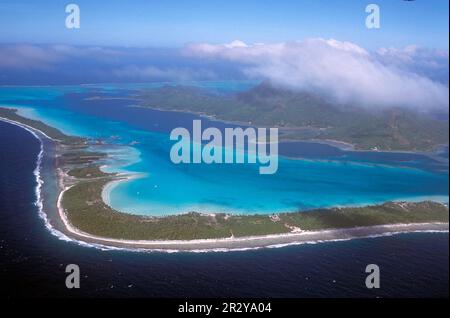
(172, 23)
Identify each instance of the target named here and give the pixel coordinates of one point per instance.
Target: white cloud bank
(169, 74)
(343, 71)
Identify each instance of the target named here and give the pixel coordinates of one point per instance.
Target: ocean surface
(32, 261)
(138, 142)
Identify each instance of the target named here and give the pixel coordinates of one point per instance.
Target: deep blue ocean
(32, 261)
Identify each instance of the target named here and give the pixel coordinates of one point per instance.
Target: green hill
(303, 116)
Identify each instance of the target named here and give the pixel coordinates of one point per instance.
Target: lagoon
(138, 141)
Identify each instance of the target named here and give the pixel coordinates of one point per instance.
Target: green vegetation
(87, 211)
(387, 213)
(303, 116)
(80, 157)
(52, 132)
(88, 172)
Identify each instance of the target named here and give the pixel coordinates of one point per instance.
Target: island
(307, 116)
(84, 215)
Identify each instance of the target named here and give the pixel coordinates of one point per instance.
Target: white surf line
(179, 243)
(139, 243)
(38, 190)
(37, 172)
(30, 129)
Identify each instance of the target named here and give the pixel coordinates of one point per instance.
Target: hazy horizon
(312, 46)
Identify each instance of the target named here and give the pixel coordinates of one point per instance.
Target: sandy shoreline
(254, 242)
(69, 232)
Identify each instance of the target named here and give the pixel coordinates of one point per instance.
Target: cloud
(27, 56)
(43, 64)
(431, 63)
(45, 57)
(342, 71)
(170, 74)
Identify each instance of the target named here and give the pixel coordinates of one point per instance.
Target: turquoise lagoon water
(138, 142)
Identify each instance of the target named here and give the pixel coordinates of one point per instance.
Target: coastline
(339, 144)
(69, 232)
(253, 242)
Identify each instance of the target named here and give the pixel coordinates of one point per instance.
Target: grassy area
(48, 130)
(86, 211)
